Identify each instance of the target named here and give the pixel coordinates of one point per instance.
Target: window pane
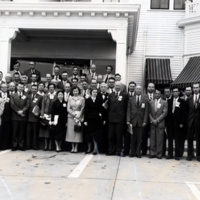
(159, 4)
(179, 4)
(155, 4)
(164, 4)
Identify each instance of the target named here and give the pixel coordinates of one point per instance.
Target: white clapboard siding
(158, 37)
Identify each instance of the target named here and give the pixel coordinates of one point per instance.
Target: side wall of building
(158, 37)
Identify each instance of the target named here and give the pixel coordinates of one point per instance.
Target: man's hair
(15, 63)
(64, 72)
(109, 66)
(83, 75)
(111, 78)
(74, 79)
(117, 75)
(93, 80)
(132, 82)
(56, 66)
(166, 88)
(175, 88)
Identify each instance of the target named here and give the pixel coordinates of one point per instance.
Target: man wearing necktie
(35, 101)
(16, 67)
(193, 122)
(108, 74)
(176, 123)
(31, 71)
(150, 96)
(67, 91)
(19, 104)
(158, 110)
(111, 85)
(56, 74)
(137, 117)
(93, 74)
(117, 108)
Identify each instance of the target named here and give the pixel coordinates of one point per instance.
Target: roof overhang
(73, 15)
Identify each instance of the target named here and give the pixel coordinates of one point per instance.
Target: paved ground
(33, 175)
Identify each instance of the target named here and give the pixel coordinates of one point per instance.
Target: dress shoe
(36, 149)
(45, 149)
(22, 149)
(189, 158)
(177, 158)
(193, 156)
(14, 149)
(138, 156)
(152, 156)
(169, 157)
(198, 159)
(118, 154)
(159, 157)
(94, 153)
(131, 155)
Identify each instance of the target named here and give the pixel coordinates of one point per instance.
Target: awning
(190, 74)
(158, 71)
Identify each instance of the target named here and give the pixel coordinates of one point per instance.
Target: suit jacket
(6, 116)
(54, 77)
(28, 73)
(47, 104)
(33, 102)
(123, 88)
(60, 85)
(147, 96)
(193, 114)
(109, 76)
(92, 109)
(87, 93)
(179, 115)
(129, 95)
(89, 77)
(18, 104)
(137, 115)
(160, 114)
(117, 107)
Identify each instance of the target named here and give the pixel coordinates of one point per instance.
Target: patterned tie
(106, 79)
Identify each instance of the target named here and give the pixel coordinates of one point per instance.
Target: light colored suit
(89, 77)
(158, 113)
(109, 76)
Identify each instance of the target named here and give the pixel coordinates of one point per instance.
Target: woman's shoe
(94, 153)
(72, 151)
(75, 151)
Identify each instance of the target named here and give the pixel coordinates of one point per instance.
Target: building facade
(124, 34)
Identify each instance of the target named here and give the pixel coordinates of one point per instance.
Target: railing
(192, 8)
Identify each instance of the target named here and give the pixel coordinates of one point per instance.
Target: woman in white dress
(75, 108)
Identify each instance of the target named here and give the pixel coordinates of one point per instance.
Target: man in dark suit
(167, 97)
(127, 141)
(187, 94)
(61, 84)
(6, 118)
(75, 74)
(137, 117)
(19, 103)
(56, 74)
(99, 80)
(111, 85)
(31, 71)
(150, 96)
(193, 122)
(103, 95)
(67, 90)
(47, 82)
(117, 107)
(176, 123)
(158, 109)
(108, 74)
(17, 78)
(35, 102)
(33, 82)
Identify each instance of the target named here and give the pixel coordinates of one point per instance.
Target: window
(179, 4)
(159, 4)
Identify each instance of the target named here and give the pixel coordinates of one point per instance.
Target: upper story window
(159, 4)
(179, 4)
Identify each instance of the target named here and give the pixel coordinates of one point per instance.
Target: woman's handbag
(77, 126)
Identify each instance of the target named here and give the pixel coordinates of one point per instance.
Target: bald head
(118, 86)
(138, 90)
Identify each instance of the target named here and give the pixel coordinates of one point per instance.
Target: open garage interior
(63, 47)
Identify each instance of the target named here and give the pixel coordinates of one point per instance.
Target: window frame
(177, 8)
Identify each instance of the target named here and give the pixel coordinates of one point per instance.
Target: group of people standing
(98, 110)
